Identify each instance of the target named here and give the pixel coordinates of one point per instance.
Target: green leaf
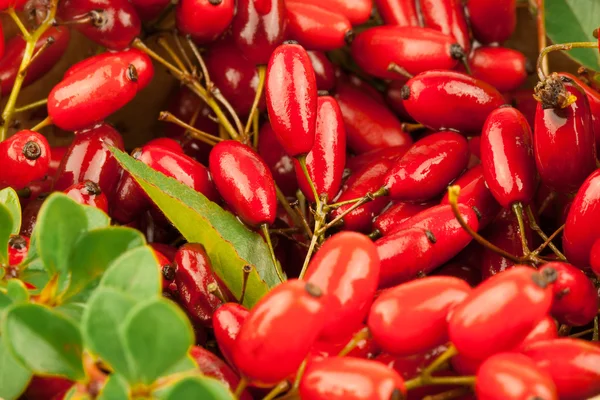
(6, 223)
(158, 335)
(186, 364)
(44, 341)
(96, 218)
(135, 273)
(16, 290)
(35, 276)
(101, 325)
(94, 252)
(574, 21)
(197, 387)
(115, 388)
(230, 245)
(60, 223)
(5, 302)
(14, 377)
(10, 199)
(73, 311)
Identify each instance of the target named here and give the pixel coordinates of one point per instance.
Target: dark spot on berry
(215, 2)
(132, 74)
(323, 93)
(32, 151)
(456, 51)
(17, 242)
(405, 92)
(168, 272)
(550, 274)
(349, 37)
(552, 93)
(97, 18)
(291, 42)
(313, 290)
(397, 395)
(430, 236)
(92, 188)
(477, 213)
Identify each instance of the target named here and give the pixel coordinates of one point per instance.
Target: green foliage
(10, 199)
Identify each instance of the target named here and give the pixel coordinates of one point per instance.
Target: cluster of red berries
(402, 303)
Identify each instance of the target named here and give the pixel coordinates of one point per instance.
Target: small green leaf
(5, 302)
(16, 290)
(115, 388)
(60, 223)
(14, 377)
(135, 273)
(10, 199)
(101, 325)
(186, 364)
(574, 21)
(197, 387)
(73, 311)
(94, 252)
(230, 245)
(6, 223)
(96, 218)
(35, 276)
(44, 341)
(158, 335)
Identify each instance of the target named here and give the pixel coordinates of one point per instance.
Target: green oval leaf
(96, 218)
(44, 341)
(115, 388)
(6, 223)
(229, 244)
(10, 199)
(60, 223)
(158, 335)
(16, 290)
(574, 21)
(14, 377)
(197, 387)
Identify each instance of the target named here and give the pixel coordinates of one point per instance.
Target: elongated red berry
(472, 101)
(397, 213)
(492, 21)
(573, 365)
(212, 366)
(92, 94)
(398, 12)
(204, 20)
(428, 167)
(316, 28)
(88, 193)
(507, 157)
(369, 124)
(279, 332)
(244, 181)
(593, 97)
(291, 91)
(447, 16)
(412, 48)
(546, 329)
(24, 157)
(149, 9)
(327, 158)
(513, 376)
(393, 153)
(421, 307)
(503, 68)
(595, 257)
(346, 268)
(324, 70)
(357, 11)
(227, 321)
(500, 312)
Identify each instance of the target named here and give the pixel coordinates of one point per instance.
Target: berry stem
(311, 248)
(565, 47)
(49, 42)
(265, 230)
(44, 123)
(361, 335)
(183, 53)
(262, 72)
(13, 15)
(334, 206)
(298, 221)
(216, 93)
(31, 106)
(255, 128)
(277, 390)
(193, 132)
(533, 224)
(438, 362)
(518, 211)
(246, 271)
(595, 333)
(547, 201)
(163, 43)
(549, 240)
(199, 58)
(302, 160)
(240, 388)
(393, 67)
(31, 39)
(540, 15)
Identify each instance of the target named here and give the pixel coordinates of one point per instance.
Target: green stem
(265, 231)
(311, 248)
(240, 388)
(262, 72)
(533, 224)
(556, 47)
(518, 211)
(30, 106)
(361, 335)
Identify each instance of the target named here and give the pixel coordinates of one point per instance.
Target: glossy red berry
(17, 4)
(413, 48)
(575, 297)
(472, 101)
(326, 160)
(258, 27)
(291, 93)
(89, 158)
(24, 157)
(393, 153)
(244, 181)
(573, 365)
(92, 94)
(421, 308)
(111, 23)
(503, 68)
(513, 376)
(279, 162)
(546, 329)
(325, 347)
(196, 283)
(347, 378)
(15, 49)
(149, 9)
(316, 28)
(397, 213)
(167, 273)
(507, 157)
(595, 257)
(357, 11)
(447, 16)
(204, 20)
(227, 321)
(564, 142)
(167, 143)
(56, 156)
(279, 332)
(88, 193)
(369, 124)
(428, 167)
(581, 229)
(492, 21)
(140, 60)
(398, 12)
(346, 268)
(324, 70)
(593, 97)
(500, 312)
(18, 246)
(393, 98)
(475, 193)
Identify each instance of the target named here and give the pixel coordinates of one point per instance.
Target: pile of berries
(401, 177)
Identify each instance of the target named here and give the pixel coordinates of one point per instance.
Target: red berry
(279, 162)
(346, 267)
(500, 312)
(149, 9)
(56, 156)
(204, 20)
(244, 181)
(88, 193)
(593, 97)
(413, 48)
(316, 28)
(266, 351)
(595, 257)
(227, 321)
(327, 158)
(472, 101)
(398, 12)
(167, 143)
(291, 91)
(546, 329)
(393, 153)
(428, 167)
(347, 378)
(24, 157)
(357, 11)
(396, 214)
(492, 21)
(421, 308)
(324, 71)
(501, 67)
(324, 347)
(18, 246)
(16, 4)
(513, 376)
(507, 157)
(167, 272)
(447, 16)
